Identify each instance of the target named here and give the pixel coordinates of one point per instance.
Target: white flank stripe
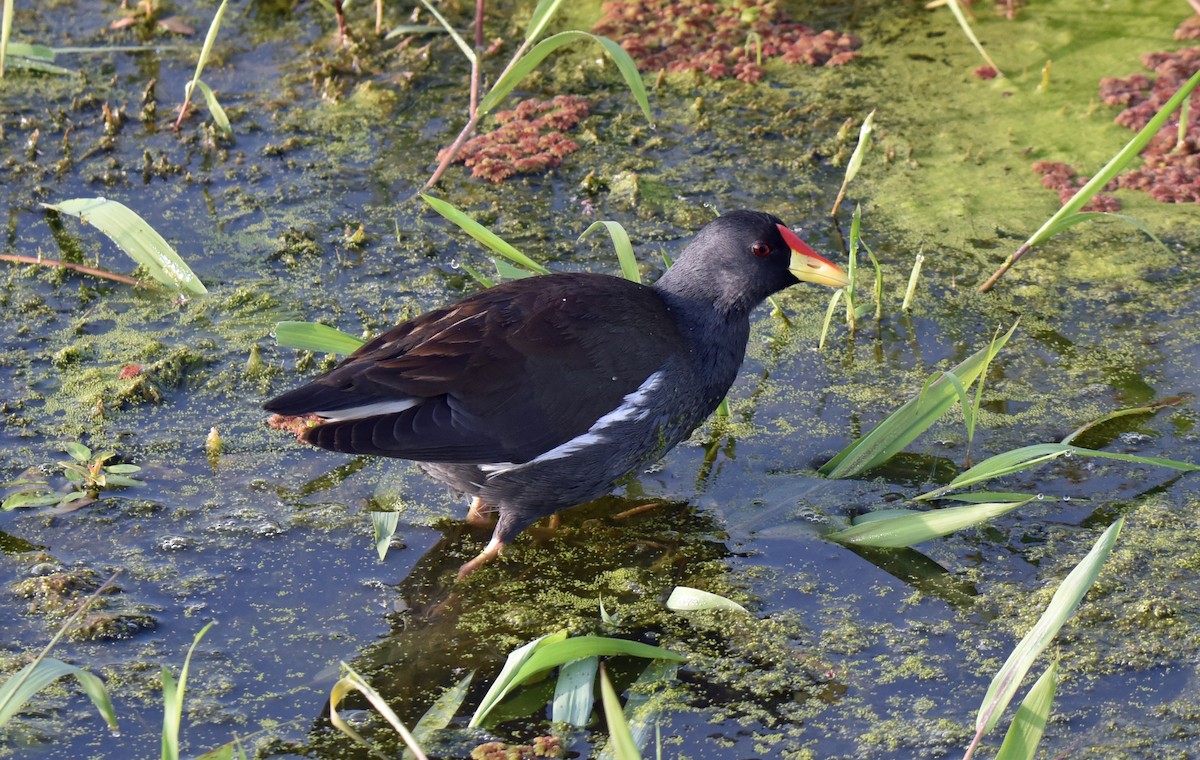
(369, 410)
(633, 407)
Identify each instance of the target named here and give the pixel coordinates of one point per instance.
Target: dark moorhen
(539, 394)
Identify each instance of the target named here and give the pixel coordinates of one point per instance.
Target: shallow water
(844, 654)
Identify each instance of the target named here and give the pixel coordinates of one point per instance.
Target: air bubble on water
(1066, 498)
(1041, 496)
(454, 264)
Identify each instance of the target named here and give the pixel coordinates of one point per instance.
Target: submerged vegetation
(787, 607)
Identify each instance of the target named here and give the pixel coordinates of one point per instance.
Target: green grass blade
(1117, 163)
(311, 336)
(384, 525)
(173, 693)
(33, 64)
(913, 276)
(559, 652)
(440, 713)
(964, 400)
(645, 704)
(961, 17)
(687, 599)
(618, 728)
(878, 292)
(26, 50)
(23, 685)
(353, 681)
(1087, 216)
(506, 271)
(1025, 733)
(504, 681)
(206, 50)
(458, 40)
(542, 15)
(1110, 170)
(978, 497)
(482, 234)
(534, 57)
(856, 159)
(910, 529)
(833, 302)
(902, 426)
(1040, 453)
(14, 693)
(136, 238)
(476, 275)
(574, 692)
(624, 249)
(1149, 408)
(6, 17)
(214, 107)
(1065, 600)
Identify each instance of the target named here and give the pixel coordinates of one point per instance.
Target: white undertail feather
(369, 410)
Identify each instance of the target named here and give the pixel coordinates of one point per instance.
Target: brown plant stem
(986, 286)
(473, 109)
(93, 271)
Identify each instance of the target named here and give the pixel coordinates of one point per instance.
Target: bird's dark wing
(501, 376)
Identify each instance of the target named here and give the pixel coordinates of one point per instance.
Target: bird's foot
(479, 514)
(489, 553)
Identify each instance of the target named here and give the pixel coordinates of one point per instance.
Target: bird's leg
(477, 513)
(489, 553)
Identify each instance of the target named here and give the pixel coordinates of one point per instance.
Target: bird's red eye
(760, 249)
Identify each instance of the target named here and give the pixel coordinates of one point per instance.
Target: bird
(542, 393)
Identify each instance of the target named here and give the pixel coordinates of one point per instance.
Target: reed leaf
(6, 17)
(1063, 217)
(21, 687)
(961, 17)
(173, 694)
(439, 714)
(619, 735)
(136, 238)
(547, 654)
(384, 526)
(534, 57)
(917, 527)
(312, 336)
(645, 704)
(687, 599)
(574, 692)
(504, 681)
(902, 426)
(482, 234)
(1040, 453)
(621, 244)
(856, 159)
(214, 107)
(458, 40)
(542, 14)
(352, 681)
(1025, 732)
(1070, 592)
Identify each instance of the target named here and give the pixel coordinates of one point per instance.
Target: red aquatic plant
(529, 139)
(1171, 168)
(1170, 171)
(718, 39)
